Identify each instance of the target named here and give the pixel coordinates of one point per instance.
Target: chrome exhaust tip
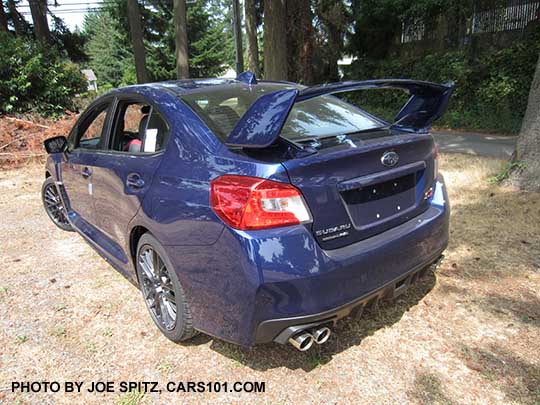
(303, 341)
(321, 335)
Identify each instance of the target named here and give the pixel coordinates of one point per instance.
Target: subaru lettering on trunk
(332, 232)
(254, 211)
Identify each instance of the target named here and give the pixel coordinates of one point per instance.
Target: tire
(53, 205)
(162, 291)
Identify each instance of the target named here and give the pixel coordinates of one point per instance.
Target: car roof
(182, 87)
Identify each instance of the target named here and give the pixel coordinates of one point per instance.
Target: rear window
(325, 116)
(322, 116)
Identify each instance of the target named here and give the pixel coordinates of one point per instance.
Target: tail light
(253, 203)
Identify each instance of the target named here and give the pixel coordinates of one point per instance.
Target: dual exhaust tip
(304, 340)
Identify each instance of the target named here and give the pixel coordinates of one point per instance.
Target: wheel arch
(134, 236)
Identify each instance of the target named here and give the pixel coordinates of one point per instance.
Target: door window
(138, 128)
(90, 131)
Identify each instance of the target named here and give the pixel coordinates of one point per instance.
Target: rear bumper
(280, 330)
(250, 286)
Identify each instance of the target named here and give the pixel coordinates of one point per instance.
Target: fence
(515, 15)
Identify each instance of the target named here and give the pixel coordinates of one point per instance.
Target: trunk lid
(353, 195)
(359, 175)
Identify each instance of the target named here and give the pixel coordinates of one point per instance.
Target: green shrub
(36, 79)
(491, 89)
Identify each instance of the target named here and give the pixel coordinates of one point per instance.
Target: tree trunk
(135, 28)
(334, 17)
(335, 43)
(38, 9)
(300, 41)
(275, 40)
(3, 18)
(16, 18)
(181, 40)
(237, 27)
(251, 37)
(527, 154)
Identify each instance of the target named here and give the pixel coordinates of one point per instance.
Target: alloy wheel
(157, 287)
(53, 205)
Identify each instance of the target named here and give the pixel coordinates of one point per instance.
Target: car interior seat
(223, 114)
(135, 145)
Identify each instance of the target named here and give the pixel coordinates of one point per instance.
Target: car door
(85, 142)
(124, 173)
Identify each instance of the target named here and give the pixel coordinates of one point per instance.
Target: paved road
(476, 144)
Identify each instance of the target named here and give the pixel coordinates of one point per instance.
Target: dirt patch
(468, 335)
(21, 138)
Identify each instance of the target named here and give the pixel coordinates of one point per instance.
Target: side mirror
(58, 144)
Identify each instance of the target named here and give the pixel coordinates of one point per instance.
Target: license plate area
(376, 203)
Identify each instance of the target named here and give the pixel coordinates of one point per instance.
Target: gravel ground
(470, 334)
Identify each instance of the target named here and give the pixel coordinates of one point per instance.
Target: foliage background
(491, 89)
(210, 48)
(35, 78)
(491, 86)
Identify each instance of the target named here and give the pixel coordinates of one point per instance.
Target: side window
(157, 133)
(138, 128)
(90, 131)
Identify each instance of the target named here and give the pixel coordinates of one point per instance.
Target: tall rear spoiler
(261, 125)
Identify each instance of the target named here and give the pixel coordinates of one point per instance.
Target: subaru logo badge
(390, 159)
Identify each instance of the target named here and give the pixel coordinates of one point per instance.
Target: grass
(165, 367)
(468, 334)
(59, 331)
(107, 332)
(429, 389)
(21, 339)
(130, 398)
(316, 358)
(507, 171)
(91, 347)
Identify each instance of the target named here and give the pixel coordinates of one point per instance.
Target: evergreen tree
(69, 43)
(19, 23)
(275, 40)
(334, 20)
(38, 8)
(3, 18)
(110, 56)
(137, 42)
(210, 36)
(250, 12)
(181, 43)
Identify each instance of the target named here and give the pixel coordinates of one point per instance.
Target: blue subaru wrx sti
(254, 211)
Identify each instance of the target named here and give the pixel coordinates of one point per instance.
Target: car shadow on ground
(348, 332)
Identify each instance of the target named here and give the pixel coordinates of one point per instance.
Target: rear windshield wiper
(315, 138)
(318, 139)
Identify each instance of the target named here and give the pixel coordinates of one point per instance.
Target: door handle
(86, 172)
(134, 180)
